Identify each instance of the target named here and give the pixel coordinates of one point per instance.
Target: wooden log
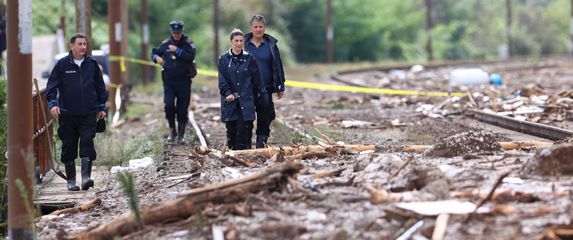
(270, 179)
(289, 151)
(524, 144)
(82, 208)
(440, 227)
(382, 196)
(301, 150)
(328, 173)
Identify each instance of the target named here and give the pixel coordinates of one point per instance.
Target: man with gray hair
(264, 47)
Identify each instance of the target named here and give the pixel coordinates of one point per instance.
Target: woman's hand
(230, 98)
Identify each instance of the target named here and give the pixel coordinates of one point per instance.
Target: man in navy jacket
(176, 54)
(76, 94)
(264, 47)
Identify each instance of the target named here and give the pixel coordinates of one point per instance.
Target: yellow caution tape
(341, 88)
(114, 85)
(310, 85)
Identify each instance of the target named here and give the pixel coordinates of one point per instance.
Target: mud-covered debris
(566, 140)
(555, 160)
(377, 162)
(417, 178)
(282, 231)
(464, 143)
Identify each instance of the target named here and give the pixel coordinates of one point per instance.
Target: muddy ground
(367, 196)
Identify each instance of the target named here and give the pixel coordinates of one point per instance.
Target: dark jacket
(75, 89)
(239, 75)
(176, 63)
(277, 65)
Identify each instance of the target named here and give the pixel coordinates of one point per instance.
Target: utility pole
(508, 29)
(216, 31)
(329, 32)
(429, 28)
(123, 68)
(84, 21)
(144, 41)
(63, 17)
(20, 128)
(571, 27)
(115, 38)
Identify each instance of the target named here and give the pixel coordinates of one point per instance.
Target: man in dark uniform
(76, 94)
(264, 47)
(176, 54)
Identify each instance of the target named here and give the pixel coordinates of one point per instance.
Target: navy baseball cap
(176, 26)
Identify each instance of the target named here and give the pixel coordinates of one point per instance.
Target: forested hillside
(364, 30)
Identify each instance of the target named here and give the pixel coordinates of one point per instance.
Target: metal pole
(115, 38)
(63, 17)
(144, 41)
(329, 31)
(124, 14)
(216, 31)
(84, 21)
(20, 126)
(571, 27)
(509, 41)
(429, 27)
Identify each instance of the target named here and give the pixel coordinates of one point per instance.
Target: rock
(464, 143)
(552, 161)
(417, 178)
(384, 162)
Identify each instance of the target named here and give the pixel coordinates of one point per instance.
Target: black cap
(176, 26)
(100, 126)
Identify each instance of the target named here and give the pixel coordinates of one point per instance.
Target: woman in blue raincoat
(240, 86)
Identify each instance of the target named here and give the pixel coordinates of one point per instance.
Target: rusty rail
(531, 128)
(43, 132)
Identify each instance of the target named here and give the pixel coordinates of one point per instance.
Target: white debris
(440, 207)
(355, 124)
(140, 163)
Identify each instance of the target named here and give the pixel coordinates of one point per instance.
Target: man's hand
(172, 48)
(159, 60)
(55, 112)
(280, 94)
(101, 114)
(230, 98)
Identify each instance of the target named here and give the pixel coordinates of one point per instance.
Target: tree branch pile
(270, 179)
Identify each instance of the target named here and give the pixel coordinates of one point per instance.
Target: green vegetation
(130, 191)
(134, 110)
(337, 105)
(114, 150)
(364, 30)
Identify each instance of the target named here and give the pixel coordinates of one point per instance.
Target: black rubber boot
(181, 133)
(71, 175)
(87, 182)
(261, 141)
(173, 135)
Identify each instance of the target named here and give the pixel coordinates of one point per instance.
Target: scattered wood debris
(270, 179)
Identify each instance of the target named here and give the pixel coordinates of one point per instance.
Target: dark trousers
(176, 97)
(74, 128)
(239, 133)
(265, 116)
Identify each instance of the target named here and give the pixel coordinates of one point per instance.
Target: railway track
(531, 128)
(525, 127)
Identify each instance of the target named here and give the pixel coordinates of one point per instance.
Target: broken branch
(82, 208)
(270, 179)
